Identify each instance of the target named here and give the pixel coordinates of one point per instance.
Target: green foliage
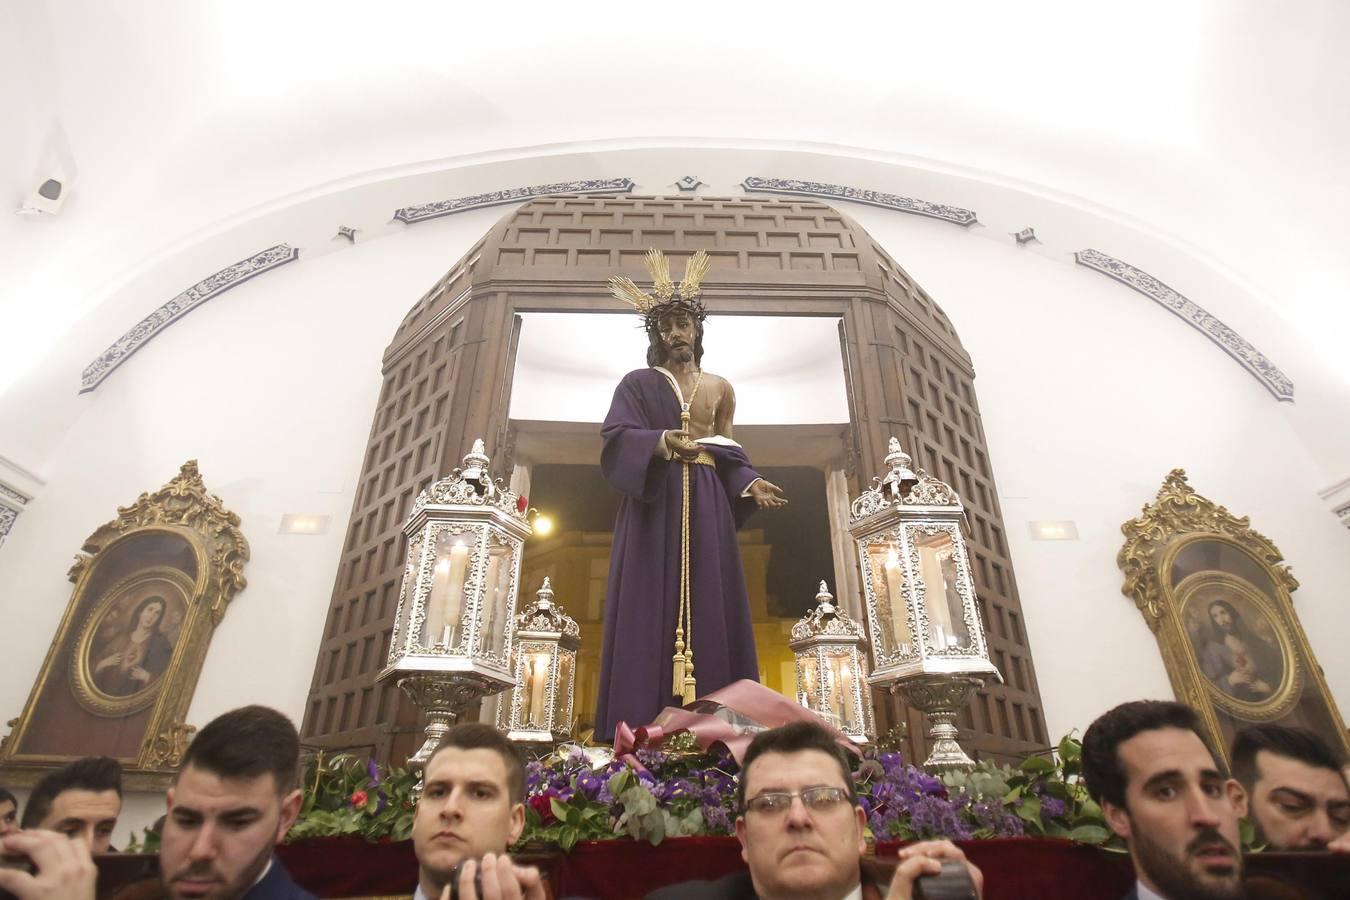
(344, 796)
(1059, 778)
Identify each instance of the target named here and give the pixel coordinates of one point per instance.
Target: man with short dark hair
(472, 808)
(9, 813)
(1295, 786)
(82, 800)
(801, 828)
(233, 799)
(1161, 790)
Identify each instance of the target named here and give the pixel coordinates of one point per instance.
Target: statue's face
(678, 332)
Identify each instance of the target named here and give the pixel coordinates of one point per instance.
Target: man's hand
(926, 859)
(767, 495)
(502, 880)
(65, 870)
(679, 444)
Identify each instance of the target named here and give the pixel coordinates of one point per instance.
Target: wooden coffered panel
(447, 380)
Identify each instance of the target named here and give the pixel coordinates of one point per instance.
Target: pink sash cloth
(731, 716)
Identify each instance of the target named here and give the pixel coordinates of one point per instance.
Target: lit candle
(839, 691)
(435, 613)
(491, 596)
(809, 683)
(899, 613)
(849, 717)
(538, 716)
(935, 584)
(454, 605)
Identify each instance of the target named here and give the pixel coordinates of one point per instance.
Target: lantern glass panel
(839, 679)
(496, 596)
(946, 612)
(534, 698)
(562, 713)
(892, 611)
(407, 594)
(810, 686)
(449, 583)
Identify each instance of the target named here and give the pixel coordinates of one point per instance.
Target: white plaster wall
(272, 388)
(1090, 393)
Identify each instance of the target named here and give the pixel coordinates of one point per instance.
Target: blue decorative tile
(212, 286)
(1232, 343)
(440, 208)
(858, 195)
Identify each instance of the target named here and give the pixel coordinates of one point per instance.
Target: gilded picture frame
(150, 588)
(1217, 596)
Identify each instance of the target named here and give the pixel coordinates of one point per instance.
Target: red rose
(543, 805)
(359, 799)
(522, 503)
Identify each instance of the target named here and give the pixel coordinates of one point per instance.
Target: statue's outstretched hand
(767, 495)
(680, 445)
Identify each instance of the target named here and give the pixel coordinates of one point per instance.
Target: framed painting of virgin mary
(150, 588)
(1217, 595)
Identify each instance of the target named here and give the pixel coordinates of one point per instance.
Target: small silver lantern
(831, 668)
(453, 629)
(927, 639)
(547, 639)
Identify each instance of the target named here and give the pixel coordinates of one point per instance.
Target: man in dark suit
(471, 809)
(1295, 784)
(233, 799)
(801, 828)
(1161, 790)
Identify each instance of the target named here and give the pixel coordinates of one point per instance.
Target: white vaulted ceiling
(1220, 126)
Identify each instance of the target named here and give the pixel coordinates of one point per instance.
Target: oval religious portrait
(1240, 646)
(128, 641)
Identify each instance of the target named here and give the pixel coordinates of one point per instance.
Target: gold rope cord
(682, 679)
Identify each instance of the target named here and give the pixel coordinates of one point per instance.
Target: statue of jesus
(677, 619)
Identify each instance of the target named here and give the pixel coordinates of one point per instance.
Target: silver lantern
(832, 668)
(540, 709)
(456, 610)
(928, 641)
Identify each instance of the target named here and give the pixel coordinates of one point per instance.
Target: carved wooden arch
(447, 380)
(179, 545)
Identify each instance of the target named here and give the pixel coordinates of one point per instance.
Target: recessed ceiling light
(1054, 530)
(303, 523)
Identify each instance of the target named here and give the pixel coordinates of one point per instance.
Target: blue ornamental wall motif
(425, 211)
(208, 288)
(757, 185)
(1232, 343)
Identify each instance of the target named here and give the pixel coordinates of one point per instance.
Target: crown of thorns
(665, 297)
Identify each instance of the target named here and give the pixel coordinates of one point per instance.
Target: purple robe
(642, 599)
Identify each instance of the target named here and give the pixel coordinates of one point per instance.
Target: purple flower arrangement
(677, 792)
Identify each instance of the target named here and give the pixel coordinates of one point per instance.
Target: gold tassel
(677, 669)
(690, 685)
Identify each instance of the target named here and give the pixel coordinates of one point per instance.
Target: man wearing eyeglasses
(801, 828)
